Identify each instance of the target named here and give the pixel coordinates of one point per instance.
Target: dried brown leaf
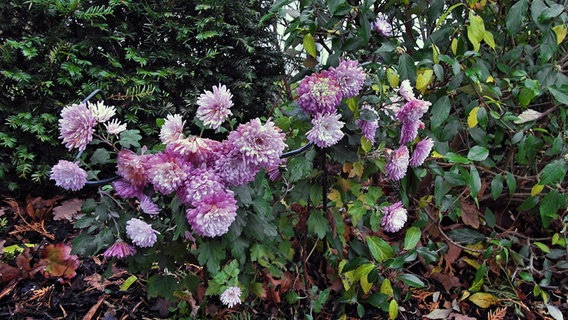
(59, 262)
(67, 210)
(470, 214)
(497, 314)
(448, 281)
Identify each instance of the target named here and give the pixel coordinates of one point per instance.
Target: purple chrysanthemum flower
(413, 110)
(214, 214)
(200, 183)
(147, 205)
(101, 112)
(326, 130)
(231, 296)
(141, 233)
(167, 172)
(233, 169)
(368, 128)
(397, 163)
(405, 90)
(125, 189)
(260, 145)
(409, 131)
(68, 175)
(382, 26)
(319, 93)
(195, 149)
(131, 167)
(120, 250)
(172, 129)
(214, 107)
(350, 77)
(76, 126)
(394, 217)
(421, 152)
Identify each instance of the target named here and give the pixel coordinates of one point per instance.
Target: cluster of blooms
(320, 94)
(197, 170)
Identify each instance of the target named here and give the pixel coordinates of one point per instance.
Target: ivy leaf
(59, 262)
(100, 156)
(130, 138)
(161, 286)
(318, 224)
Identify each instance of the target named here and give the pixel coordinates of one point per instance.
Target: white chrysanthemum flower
(141, 233)
(231, 296)
(214, 107)
(326, 130)
(115, 127)
(101, 112)
(405, 90)
(172, 129)
(394, 217)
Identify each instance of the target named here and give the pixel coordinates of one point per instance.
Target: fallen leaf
(458, 316)
(8, 273)
(67, 210)
(59, 262)
(439, 314)
(470, 214)
(483, 299)
(448, 281)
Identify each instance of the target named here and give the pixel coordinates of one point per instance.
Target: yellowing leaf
(362, 272)
(128, 282)
(392, 78)
(423, 79)
(347, 278)
(393, 309)
(357, 170)
(472, 118)
(366, 144)
(488, 38)
(310, 45)
(560, 31)
(454, 46)
(386, 287)
(435, 52)
(475, 30)
(483, 300)
(536, 189)
(335, 196)
(490, 79)
(437, 155)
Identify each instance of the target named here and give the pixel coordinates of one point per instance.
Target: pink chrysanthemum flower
(409, 131)
(131, 167)
(405, 90)
(260, 145)
(413, 110)
(319, 93)
(368, 128)
(233, 169)
(394, 217)
(231, 296)
(397, 163)
(350, 77)
(101, 112)
(120, 250)
(326, 130)
(76, 126)
(68, 175)
(382, 26)
(167, 172)
(125, 189)
(214, 214)
(147, 205)
(195, 149)
(200, 183)
(115, 127)
(214, 107)
(141, 233)
(172, 129)
(421, 152)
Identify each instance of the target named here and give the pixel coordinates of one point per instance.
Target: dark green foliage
(149, 58)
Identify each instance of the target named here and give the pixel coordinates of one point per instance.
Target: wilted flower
(319, 93)
(350, 77)
(382, 26)
(214, 214)
(231, 296)
(76, 126)
(260, 145)
(368, 127)
(326, 130)
(68, 175)
(114, 127)
(141, 233)
(166, 172)
(409, 131)
(394, 217)
(413, 110)
(148, 206)
(405, 90)
(214, 107)
(101, 112)
(397, 163)
(125, 189)
(421, 152)
(172, 129)
(119, 249)
(131, 167)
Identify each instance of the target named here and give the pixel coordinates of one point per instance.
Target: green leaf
(406, 68)
(496, 186)
(130, 138)
(468, 236)
(411, 238)
(515, 16)
(393, 309)
(511, 182)
(211, 253)
(100, 156)
(560, 94)
(161, 286)
(128, 282)
(474, 182)
(553, 173)
(478, 153)
(412, 280)
(310, 45)
(338, 7)
(445, 15)
(475, 30)
(380, 249)
(480, 274)
(549, 206)
(299, 168)
(440, 112)
(318, 224)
